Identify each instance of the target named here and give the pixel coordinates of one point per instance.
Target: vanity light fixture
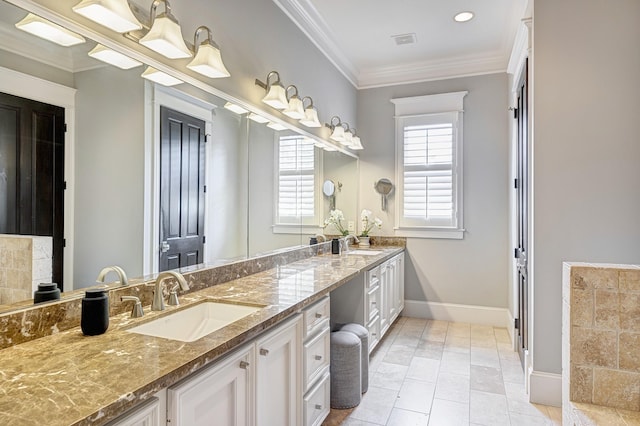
(356, 143)
(348, 136)
(235, 108)
(165, 35)
(276, 95)
(160, 77)
(310, 114)
(112, 57)
(337, 131)
(257, 118)
(113, 14)
(276, 126)
(295, 108)
(208, 60)
(463, 17)
(49, 31)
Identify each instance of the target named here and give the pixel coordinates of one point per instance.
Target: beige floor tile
(416, 396)
(454, 362)
(488, 409)
(407, 340)
(526, 408)
(502, 335)
(423, 369)
(389, 376)
(459, 329)
(555, 414)
(457, 344)
(518, 419)
(449, 413)
(485, 356)
(486, 379)
(356, 422)
(485, 331)
(452, 387)
(479, 342)
(399, 354)
(632, 418)
(407, 418)
(429, 349)
(376, 405)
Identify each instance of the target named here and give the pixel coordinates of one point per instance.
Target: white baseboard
(545, 388)
(484, 315)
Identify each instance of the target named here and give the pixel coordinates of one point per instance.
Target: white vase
(364, 241)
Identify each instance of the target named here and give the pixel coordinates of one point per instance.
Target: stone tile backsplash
(25, 261)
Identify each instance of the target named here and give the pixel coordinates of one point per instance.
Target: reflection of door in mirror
(32, 172)
(181, 189)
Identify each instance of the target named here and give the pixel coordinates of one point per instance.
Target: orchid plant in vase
(335, 218)
(367, 225)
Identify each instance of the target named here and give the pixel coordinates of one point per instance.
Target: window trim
(310, 225)
(420, 106)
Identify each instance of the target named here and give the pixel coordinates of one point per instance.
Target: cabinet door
(147, 414)
(393, 290)
(278, 376)
(220, 395)
(400, 281)
(384, 297)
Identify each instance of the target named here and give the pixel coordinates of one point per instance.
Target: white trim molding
(545, 388)
(483, 315)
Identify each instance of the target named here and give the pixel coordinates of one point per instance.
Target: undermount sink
(190, 324)
(365, 252)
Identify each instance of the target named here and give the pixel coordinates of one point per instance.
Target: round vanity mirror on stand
(329, 190)
(384, 187)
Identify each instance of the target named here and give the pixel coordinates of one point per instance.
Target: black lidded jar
(94, 319)
(46, 292)
(335, 246)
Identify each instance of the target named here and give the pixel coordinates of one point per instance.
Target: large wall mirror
(140, 156)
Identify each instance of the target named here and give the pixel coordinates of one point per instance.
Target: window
(297, 163)
(429, 165)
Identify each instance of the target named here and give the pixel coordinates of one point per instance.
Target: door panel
(181, 189)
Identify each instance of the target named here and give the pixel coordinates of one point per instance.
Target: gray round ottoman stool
(345, 370)
(363, 335)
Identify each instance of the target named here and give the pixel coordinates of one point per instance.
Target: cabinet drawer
(315, 316)
(316, 402)
(373, 303)
(316, 357)
(374, 332)
(372, 277)
(147, 414)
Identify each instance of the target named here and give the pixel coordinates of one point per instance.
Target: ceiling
(356, 35)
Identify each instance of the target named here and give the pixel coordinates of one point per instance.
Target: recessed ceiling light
(463, 17)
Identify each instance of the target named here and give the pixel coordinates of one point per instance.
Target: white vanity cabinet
(221, 394)
(373, 299)
(149, 413)
(278, 378)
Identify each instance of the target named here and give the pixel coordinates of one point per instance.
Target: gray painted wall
(586, 150)
(472, 271)
(37, 69)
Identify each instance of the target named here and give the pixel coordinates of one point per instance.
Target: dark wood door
(522, 212)
(181, 189)
(32, 172)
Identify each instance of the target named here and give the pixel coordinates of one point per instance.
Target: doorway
(522, 213)
(32, 157)
(182, 140)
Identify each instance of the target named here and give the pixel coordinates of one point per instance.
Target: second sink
(194, 322)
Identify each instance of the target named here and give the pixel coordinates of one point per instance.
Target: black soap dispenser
(94, 319)
(335, 246)
(46, 292)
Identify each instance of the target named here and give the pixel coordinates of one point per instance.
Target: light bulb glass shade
(337, 134)
(310, 118)
(235, 108)
(295, 109)
(112, 57)
(49, 31)
(356, 143)
(347, 139)
(160, 77)
(276, 97)
(165, 37)
(208, 61)
(113, 14)
(258, 118)
(276, 126)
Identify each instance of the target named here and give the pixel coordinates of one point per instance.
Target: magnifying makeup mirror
(329, 190)
(384, 187)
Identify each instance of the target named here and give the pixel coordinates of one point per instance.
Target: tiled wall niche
(601, 335)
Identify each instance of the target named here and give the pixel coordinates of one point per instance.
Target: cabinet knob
(264, 352)
(318, 357)
(318, 315)
(374, 303)
(244, 365)
(318, 407)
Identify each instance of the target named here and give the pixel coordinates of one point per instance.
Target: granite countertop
(72, 379)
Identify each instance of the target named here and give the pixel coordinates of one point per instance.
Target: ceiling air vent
(400, 39)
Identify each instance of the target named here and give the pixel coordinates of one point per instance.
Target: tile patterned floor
(439, 373)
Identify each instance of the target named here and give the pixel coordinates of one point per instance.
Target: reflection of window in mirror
(297, 165)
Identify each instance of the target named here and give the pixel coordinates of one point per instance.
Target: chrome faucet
(321, 238)
(158, 297)
(346, 241)
(118, 270)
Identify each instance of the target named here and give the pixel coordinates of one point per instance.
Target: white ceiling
(356, 35)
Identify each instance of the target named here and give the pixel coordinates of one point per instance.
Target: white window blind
(296, 179)
(429, 165)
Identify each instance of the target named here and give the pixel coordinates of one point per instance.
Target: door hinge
(515, 113)
(204, 188)
(65, 127)
(516, 253)
(515, 184)
(516, 323)
(206, 137)
(204, 239)
(64, 242)
(64, 185)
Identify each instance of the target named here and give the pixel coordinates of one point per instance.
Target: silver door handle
(164, 247)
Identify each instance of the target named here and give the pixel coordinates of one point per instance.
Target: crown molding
(311, 23)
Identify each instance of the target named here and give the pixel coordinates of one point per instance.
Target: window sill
(297, 229)
(438, 233)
